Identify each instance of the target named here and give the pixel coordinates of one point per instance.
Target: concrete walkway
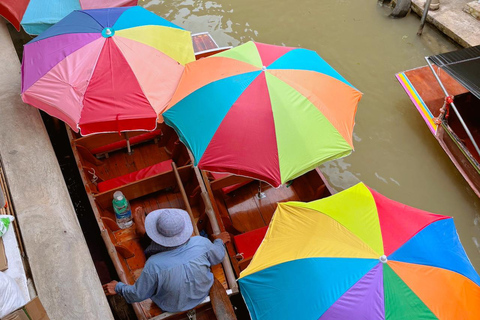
(450, 18)
(62, 269)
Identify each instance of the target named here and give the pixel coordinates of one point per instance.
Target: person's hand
(225, 236)
(109, 288)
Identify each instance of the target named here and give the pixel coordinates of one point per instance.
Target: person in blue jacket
(177, 276)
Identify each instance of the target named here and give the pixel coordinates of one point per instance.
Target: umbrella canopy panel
(264, 111)
(36, 16)
(106, 70)
(360, 255)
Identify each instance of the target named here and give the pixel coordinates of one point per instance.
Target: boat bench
(213, 176)
(150, 171)
(122, 144)
(142, 187)
(247, 244)
(226, 182)
(93, 147)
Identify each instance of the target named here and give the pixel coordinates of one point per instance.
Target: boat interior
(157, 174)
(154, 170)
(245, 207)
(469, 108)
(467, 104)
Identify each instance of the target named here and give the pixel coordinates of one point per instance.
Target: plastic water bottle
(122, 209)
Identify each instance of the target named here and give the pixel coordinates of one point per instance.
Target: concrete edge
(62, 268)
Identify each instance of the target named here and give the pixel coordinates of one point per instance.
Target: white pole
(129, 148)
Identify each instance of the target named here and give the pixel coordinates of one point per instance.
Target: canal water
(395, 152)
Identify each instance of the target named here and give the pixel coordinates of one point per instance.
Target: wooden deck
(426, 94)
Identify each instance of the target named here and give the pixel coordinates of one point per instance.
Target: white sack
(11, 297)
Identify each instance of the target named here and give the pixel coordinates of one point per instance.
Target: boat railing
(452, 104)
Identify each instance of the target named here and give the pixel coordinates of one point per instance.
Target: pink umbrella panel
(106, 70)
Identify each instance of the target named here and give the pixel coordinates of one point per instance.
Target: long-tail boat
(154, 170)
(446, 93)
(156, 174)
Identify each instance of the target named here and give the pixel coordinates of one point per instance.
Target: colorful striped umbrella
(267, 112)
(360, 255)
(36, 16)
(106, 70)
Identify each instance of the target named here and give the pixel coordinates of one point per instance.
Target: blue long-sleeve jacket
(179, 279)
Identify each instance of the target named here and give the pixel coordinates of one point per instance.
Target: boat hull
(427, 96)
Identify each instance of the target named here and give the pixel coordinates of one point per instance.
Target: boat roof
(463, 65)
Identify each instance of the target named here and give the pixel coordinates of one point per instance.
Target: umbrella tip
(264, 68)
(108, 32)
(383, 259)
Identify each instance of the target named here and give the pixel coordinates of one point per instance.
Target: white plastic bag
(11, 297)
(5, 221)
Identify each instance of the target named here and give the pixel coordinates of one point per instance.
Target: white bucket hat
(169, 227)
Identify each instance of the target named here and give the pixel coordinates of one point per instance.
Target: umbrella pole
(227, 267)
(129, 148)
(260, 194)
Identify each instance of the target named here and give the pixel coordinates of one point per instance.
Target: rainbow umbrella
(360, 255)
(106, 70)
(37, 16)
(267, 112)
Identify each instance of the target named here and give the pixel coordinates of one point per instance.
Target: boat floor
(247, 212)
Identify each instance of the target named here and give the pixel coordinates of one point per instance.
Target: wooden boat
(458, 72)
(245, 207)
(159, 174)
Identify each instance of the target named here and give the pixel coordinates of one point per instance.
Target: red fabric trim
(247, 243)
(135, 176)
(123, 143)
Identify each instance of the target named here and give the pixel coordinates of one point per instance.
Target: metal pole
(260, 194)
(424, 17)
(453, 107)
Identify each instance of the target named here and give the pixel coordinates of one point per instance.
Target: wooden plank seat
(143, 187)
(93, 147)
(247, 244)
(227, 182)
(150, 171)
(122, 144)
